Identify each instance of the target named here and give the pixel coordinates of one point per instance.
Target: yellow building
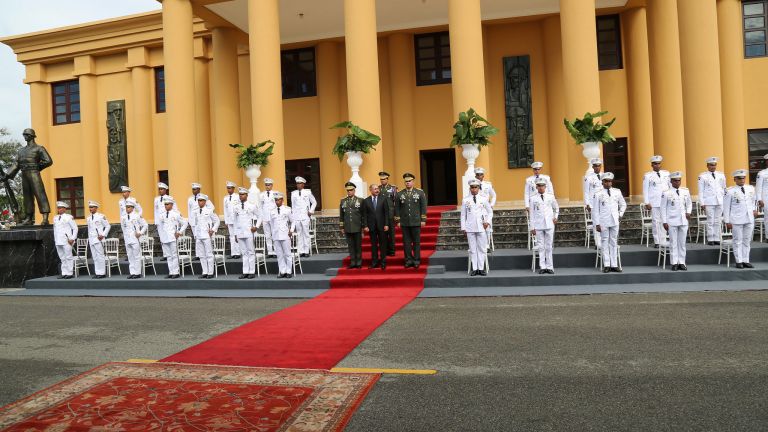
(685, 78)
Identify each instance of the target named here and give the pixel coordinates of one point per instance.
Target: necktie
(658, 174)
(537, 176)
(542, 197)
(713, 175)
(92, 217)
(167, 214)
(374, 203)
(742, 189)
(230, 197)
(278, 210)
(678, 191)
(299, 192)
(474, 198)
(242, 205)
(609, 192)
(201, 211)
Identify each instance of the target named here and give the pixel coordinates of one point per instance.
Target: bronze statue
(31, 159)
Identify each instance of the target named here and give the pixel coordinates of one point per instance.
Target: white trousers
(302, 230)
(169, 251)
(204, 251)
(134, 258)
(284, 257)
(268, 237)
(742, 239)
(610, 243)
(677, 238)
(598, 237)
(656, 219)
(234, 244)
(478, 249)
(99, 260)
(545, 239)
(714, 221)
(247, 252)
(67, 260)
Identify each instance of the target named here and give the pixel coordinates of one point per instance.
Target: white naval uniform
(592, 184)
(206, 220)
(133, 224)
(738, 210)
(64, 230)
(530, 187)
(761, 190)
(160, 208)
(303, 204)
(608, 207)
(711, 193)
(169, 224)
(267, 204)
(486, 189)
(283, 224)
(137, 209)
(476, 210)
(676, 205)
(244, 215)
(230, 200)
(98, 226)
(544, 210)
(655, 183)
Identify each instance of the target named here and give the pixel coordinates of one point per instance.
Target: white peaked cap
(656, 158)
(712, 160)
(202, 197)
(130, 202)
(268, 181)
(740, 173)
(473, 182)
(125, 189)
(168, 200)
(541, 182)
(93, 204)
(231, 184)
(537, 165)
(62, 204)
(607, 176)
(196, 186)
(242, 190)
(479, 170)
(595, 161)
(676, 175)
(162, 185)
(277, 195)
(300, 180)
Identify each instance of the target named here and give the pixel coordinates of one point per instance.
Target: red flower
(6, 212)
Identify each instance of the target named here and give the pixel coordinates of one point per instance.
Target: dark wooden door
(438, 176)
(615, 159)
(310, 170)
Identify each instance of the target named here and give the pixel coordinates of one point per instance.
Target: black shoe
(169, 277)
(60, 277)
(251, 276)
(617, 270)
(390, 254)
(682, 267)
(350, 267)
(543, 271)
(289, 275)
(717, 243)
(606, 269)
(383, 267)
(68, 277)
(482, 273)
(748, 265)
(211, 276)
(739, 265)
(416, 265)
(203, 277)
(473, 273)
(243, 276)
(164, 259)
(710, 243)
(100, 276)
(175, 276)
(304, 255)
(550, 271)
(94, 277)
(655, 246)
(674, 267)
(407, 265)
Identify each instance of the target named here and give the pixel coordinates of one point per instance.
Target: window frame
(437, 57)
(617, 48)
(78, 212)
(764, 28)
(160, 101)
(756, 163)
(295, 76)
(68, 102)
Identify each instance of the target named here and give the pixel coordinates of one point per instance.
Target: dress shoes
(210, 277)
(682, 267)
(68, 277)
(280, 276)
(251, 276)
(391, 254)
(373, 266)
(203, 277)
(350, 267)
(739, 265)
(60, 277)
(710, 243)
(674, 267)
(407, 265)
(176, 276)
(482, 273)
(550, 271)
(606, 269)
(655, 246)
(543, 271)
(617, 270)
(304, 255)
(99, 276)
(243, 276)
(416, 265)
(383, 266)
(289, 275)
(748, 265)
(169, 277)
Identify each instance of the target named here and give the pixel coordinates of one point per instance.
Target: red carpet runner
(319, 333)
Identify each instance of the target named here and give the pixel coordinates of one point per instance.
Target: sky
(26, 16)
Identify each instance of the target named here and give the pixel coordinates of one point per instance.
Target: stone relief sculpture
(117, 150)
(518, 109)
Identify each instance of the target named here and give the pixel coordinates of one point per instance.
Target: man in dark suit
(377, 209)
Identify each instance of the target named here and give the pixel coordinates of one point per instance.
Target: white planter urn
(355, 160)
(253, 172)
(470, 152)
(590, 150)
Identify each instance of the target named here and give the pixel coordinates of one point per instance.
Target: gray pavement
(677, 362)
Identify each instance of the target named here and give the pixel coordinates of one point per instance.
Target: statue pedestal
(27, 252)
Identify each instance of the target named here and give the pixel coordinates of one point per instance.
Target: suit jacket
(380, 216)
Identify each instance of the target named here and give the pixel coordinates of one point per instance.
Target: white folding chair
(112, 254)
(760, 224)
(588, 227)
(219, 253)
(313, 234)
(663, 248)
(81, 256)
(701, 224)
(260, 248)
(491, 245)
(646, 221)
(184, 251)
(535, 251)
(295, 253)
(147, 254)
(528, 223)
(726, 245)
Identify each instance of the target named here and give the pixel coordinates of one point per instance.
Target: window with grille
(755, 28)
(758, 147)
(298, 73)
(433, 58)
(70, 191)
(160, 89)
(66, 102)
(609, 42)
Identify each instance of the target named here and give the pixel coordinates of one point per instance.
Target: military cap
(383, 175)
(349, 186)
(61, 204)
(125, 189)
(300, 179)
(168, 200)
(278, 195)
(656, 159)
(231, 184)
(196, 186)
(242, 191)
(408, 177)
(202, 197)
(541, 182)
(712, 161)
(93, 204)
(162, 185)
(268, 181)
(479, 170)
(676, 175)
(607, 176)
(740, 173)
(130, 202)
(473, 182)
(595, 161)
(766, 156)
(537, 165)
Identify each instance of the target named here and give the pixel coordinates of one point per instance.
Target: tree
(9, 148)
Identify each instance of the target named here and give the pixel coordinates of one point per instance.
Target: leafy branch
(471, 128)
(587, 130)
(356, 139)
(253, 154)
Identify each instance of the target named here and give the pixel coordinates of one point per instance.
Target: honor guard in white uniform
(592, 184)
(134, 226)
(608, 207)
(303, 204)
(205, 227)
(244, 220)
(544, 213)
(159, 207)
(283, 227)
(655, 183)
(266, 205)
(98, 230)
(761, 190)
(126, 191)
(192, 209)
(530, 182)
(230, 200)
(64, 235)
(711, 193)
(476, 217)
(739, 214)
(486, 188)
(170, 226)
(676, 207)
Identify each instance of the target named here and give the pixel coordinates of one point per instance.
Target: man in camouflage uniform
(351, 223)
(410, 216)
(389, 191)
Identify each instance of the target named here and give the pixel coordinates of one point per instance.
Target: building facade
(160, 96)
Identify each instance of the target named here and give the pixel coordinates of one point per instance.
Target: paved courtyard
(693, 361)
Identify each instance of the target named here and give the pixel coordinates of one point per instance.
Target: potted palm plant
(472, 132)
(251, 159)
(353, 144)
(590, 134)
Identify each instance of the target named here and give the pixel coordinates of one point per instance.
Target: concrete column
(639, 92)
(178, 54)
(203, 124)
(331, 168)
(580, 71)
(139, 123)
(559, 143)
(403, 80)
(363, 91)
(732, 83)
(266, 84)
(700, 61)
(666, 85)
(465, 27)
(89, 133)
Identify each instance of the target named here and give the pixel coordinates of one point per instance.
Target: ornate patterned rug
(181, 397)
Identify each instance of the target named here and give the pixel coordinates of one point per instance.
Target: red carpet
(319, 333)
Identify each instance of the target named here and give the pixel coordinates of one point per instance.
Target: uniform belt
(26, 167)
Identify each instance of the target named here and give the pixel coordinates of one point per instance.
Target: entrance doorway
(310, 170)
(615, 160)
(438, 176)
